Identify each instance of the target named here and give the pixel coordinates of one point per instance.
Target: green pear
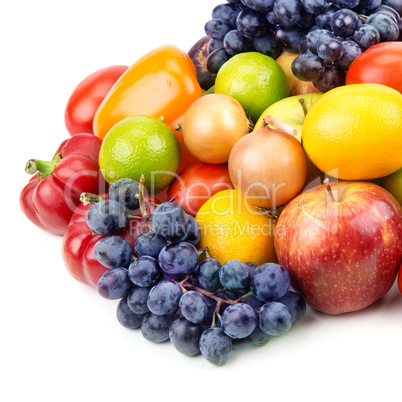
(291, 111)
(392, 183)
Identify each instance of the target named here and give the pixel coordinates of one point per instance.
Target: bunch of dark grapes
(167, 293)
(330, 34)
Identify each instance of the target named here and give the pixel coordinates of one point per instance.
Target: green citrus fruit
(140, 145)
(253, 79)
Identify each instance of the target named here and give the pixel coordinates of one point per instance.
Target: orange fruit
(234, 230)
(354, 132)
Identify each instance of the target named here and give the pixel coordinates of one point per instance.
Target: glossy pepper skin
(161, 83)
(51, 196)
(78, 244)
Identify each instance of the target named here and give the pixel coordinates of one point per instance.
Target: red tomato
(197, 184)
(380, 64)
(86, 98)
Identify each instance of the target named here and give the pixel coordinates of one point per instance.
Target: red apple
(400, 279)
(342, 244)
(296, 86)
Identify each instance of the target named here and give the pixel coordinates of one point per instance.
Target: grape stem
(143, 208)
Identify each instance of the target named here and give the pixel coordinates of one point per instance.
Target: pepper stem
(90, 199)
(45, 168)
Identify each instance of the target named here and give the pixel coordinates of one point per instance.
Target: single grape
(323, 19)
(216, 60)
(234, 275)
(106, 217)
(259, 5)
(144, 271)
(271, 19)
(114, 284)
(345, 3)
(169, 220)
(155, 328)
(178, 258)
(334, 76)
(275, 318)
(366, 36)
(330, 50)
(258, 337)
(296, 305)
(307, 20)
(217, 28)
(252, 266)
(215, 346)
(234, 42)
(308, 67)
(137, 300)
(163, 298)
(369, 4)
(185, 336)
(149, 243)
(314, 6)
(270, 281)
(350, 51)
(251, 23)
(214, 44)
(313, 38)
(288, 38)
(227, 12)
(208, 275)
(266, 44)
(395, 4)
(127, 317)
(194, 306)
(287, 12)
(387, 28)
(191, 233)
(113, 252)
(126, 192)
(344, 23)
(389, 11)
(252, 301)
(239, 320)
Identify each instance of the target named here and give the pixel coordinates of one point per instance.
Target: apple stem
(303, 105)
(328, 187)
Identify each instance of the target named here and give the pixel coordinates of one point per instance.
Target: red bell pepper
(52, 194)
(79, 242)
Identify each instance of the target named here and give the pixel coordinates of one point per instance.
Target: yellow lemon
(234, 230)
(354, 132)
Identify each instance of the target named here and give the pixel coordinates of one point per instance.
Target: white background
(60, 341)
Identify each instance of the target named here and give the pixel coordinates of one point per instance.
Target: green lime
(254, 79)
(140, 145)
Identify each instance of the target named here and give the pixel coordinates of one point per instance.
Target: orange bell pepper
(161, 83)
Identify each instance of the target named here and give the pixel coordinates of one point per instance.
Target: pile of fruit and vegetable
(219, 193)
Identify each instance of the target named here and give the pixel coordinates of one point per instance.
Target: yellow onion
(268, 166)
(212, 125)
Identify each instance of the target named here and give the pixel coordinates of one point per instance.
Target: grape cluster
(329, 34)
(201, 307)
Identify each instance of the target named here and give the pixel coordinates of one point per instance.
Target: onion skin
(212, 125)
(268, 166)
